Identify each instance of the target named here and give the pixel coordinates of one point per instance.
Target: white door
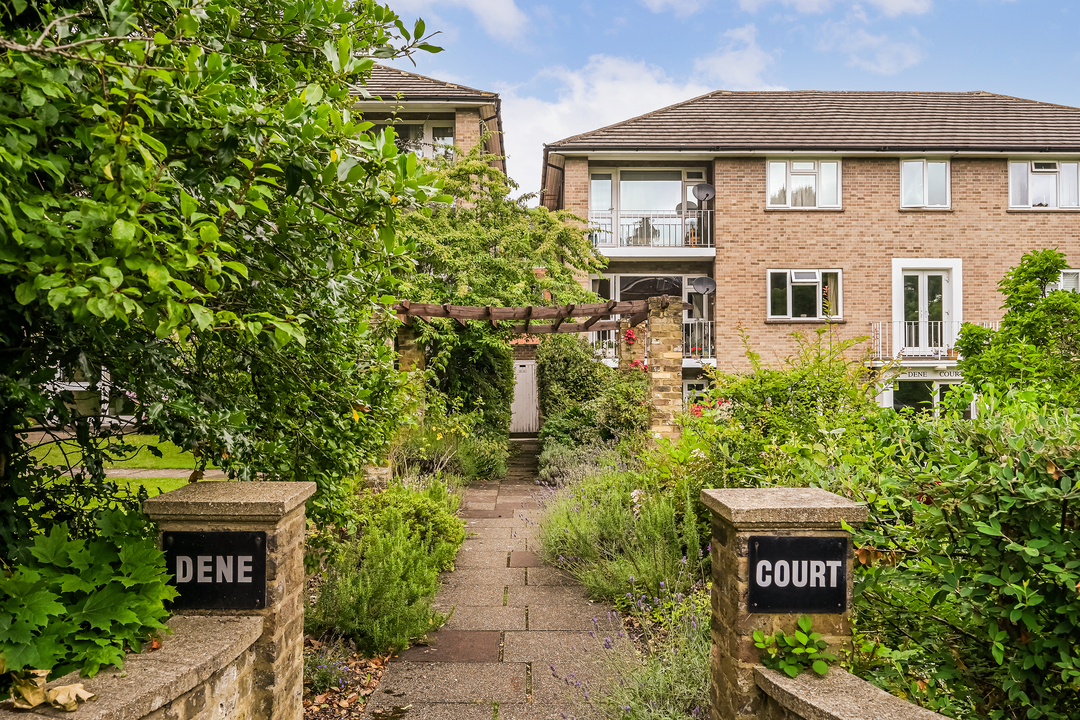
(927, 328)
(525, 410)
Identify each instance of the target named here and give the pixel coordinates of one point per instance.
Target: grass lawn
(155, 486)
(171, 455)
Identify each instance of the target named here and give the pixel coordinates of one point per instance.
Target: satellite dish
(704, 285)
(704, 192)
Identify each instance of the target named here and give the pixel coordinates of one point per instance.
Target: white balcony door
(927, 310)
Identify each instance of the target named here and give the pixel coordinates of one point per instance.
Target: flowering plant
(630, 336)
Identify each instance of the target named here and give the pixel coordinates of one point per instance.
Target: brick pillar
(466, 128)
(410, 352)
(630, 353)
(276, 508)
(665, 356)
(764, 515)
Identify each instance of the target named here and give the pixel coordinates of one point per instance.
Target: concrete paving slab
(549, 646)
(523, 504)
(468, 558)
(469, 596)
(489, 514)
(486, 533)
(569, 685)
(548, 576)
(578, 618)
(525, 559)
(499, 522)
(409, 683)
(467, 577)
(486, 617)
(457, 646)
(480, 504)
(505, 544)
(530, 595)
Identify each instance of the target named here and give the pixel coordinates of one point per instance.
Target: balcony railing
(918, 340)
(690, 229)
(699, 340)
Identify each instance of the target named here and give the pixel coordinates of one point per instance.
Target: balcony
(699, 343)
(690, 229)
(917, 340)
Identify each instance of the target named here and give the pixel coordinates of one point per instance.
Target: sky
(564, 67)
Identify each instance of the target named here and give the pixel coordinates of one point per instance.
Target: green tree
(488, 249)
(188, 201)
(1039, 337)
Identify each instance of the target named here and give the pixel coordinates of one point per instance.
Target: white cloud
(605, 91)
(681, 8)
(501, 19)
(892, 8)
(879, 54)
(740, 64)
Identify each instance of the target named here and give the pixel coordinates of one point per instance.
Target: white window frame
(926, 182)
(686, 385)
(819, 272)
(687, 287)
(427, 142)
(1030, 163)
(616, 199)
(1059, 284)
(816, 172)
(955, 266)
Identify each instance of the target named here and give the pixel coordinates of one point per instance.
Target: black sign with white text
(797, 574)
(216, 570)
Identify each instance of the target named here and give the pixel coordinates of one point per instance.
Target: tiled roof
(813, 120)
(387, 82)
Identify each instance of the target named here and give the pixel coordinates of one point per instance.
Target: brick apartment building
(430, 115)
(894, 214)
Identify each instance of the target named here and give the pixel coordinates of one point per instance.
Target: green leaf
(820, 667)
(123, 230)
(312, 94)
(25, 293)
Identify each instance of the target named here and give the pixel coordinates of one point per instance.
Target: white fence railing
(699, 340)
(689, 229)
(915, 339)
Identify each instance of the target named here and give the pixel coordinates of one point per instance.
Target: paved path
(513, 619)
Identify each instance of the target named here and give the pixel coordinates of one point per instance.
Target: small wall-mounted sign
(216, 570)
(797, 574)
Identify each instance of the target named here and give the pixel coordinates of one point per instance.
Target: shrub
(568, 372)
(81, 604)
(379, 584)
(325, 668)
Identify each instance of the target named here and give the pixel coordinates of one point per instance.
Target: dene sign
(798, 574)
(217, 570)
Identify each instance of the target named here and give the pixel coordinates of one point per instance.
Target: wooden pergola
(556, 315)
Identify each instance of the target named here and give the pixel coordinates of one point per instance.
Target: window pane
(913, 184)
(802, 166)
(911, 300)
(642, 288)
(778, 183)
(778, 293)
(1044, 190)
(600, 192)
(937, 178)
(1018, 184)
(829, 194)
(918, 394)
(1069, 185)
(803, 191)
(602, 287)
(934, 298)
(830, 294)
(692, 175)
(442, 135)
(804, 301)
(642, 191)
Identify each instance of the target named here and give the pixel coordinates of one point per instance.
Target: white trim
(790, 274)
(612, 155)
(926, 181)
(816, 172)
(1030, 161)
(634, 252)
(955, 266)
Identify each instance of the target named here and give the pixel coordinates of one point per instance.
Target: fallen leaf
(68, 697)
(921, 684)
(28, 688)
(351, 698)
(319, 699)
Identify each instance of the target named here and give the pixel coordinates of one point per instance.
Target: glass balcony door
(927, 312)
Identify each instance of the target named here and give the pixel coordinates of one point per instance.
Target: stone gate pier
(779, 554)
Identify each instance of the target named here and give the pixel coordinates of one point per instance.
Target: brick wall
(862, 239)
(576, 189)
(466, 128)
